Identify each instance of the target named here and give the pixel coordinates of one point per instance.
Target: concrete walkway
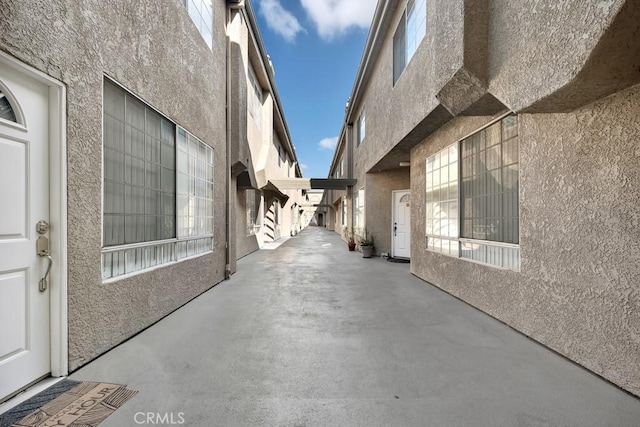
(310, 334)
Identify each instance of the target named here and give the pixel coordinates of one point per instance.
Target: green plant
(367, 239)
(348, 234)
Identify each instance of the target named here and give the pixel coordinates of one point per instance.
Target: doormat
(69, 403)
(399, 260)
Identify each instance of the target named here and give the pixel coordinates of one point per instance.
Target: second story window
(254, 95)
(201, 13)
(361, 126)
(410, 32)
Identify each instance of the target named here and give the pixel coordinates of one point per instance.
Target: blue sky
(315, 47)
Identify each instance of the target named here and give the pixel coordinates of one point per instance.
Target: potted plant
(367, 244)
(350, 241)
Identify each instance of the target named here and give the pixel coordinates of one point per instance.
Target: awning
(314, 183)
(271, 191)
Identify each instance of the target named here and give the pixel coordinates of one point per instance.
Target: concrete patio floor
(309, 334)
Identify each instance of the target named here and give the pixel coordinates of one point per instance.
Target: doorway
(401, 224)
(32, 228)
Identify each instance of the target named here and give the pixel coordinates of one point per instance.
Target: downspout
(350, 165)
(227, 213)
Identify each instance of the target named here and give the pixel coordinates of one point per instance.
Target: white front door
(24, 200)
(401, 224)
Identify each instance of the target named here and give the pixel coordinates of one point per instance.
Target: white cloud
(303, 166)
(335, 17)
(280, 20)
(328, 143)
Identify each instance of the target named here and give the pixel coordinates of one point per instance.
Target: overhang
(273, 192)
(313, 183)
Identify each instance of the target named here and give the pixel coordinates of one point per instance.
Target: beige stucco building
(496, 144)
(262, 150)
(122, 194)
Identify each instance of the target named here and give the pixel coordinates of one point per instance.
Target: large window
(254, 103)
(410, 32)
(139, 189)
(195, 195)
(472, 211)
(442, 201)
(358, 211)
(201, 13)
(362, 125)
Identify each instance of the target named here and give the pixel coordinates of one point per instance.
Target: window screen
(141, 226)
(139, 171)
(490, 183)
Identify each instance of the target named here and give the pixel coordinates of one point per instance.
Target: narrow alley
(335, 339)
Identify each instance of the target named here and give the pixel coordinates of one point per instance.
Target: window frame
(405, 40)
(254, 96)
(450, 185)
(195, 14)
(493, 253)
(361, 127)
(343, 217)
(128, 259)
(358, 211)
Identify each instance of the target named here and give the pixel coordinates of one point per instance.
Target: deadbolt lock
(42, 246)
(42, 227)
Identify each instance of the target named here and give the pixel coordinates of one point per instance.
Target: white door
(401, 224)
(24, 200)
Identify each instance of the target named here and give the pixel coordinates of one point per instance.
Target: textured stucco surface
(539, 47)
(154, 50)
(253, 144)
(480, 55)
(578, 291)
(578, 288)
(406, 103)
(244, 244)
(378, 204)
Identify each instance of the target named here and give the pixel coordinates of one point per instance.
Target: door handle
(42, 249)
(395, 228)
(44, 282)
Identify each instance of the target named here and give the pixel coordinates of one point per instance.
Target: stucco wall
(517, 53)
(378, 204)
(245, 244)
(538, 47)
(153, 49)
(578, 291)
(404, 104)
